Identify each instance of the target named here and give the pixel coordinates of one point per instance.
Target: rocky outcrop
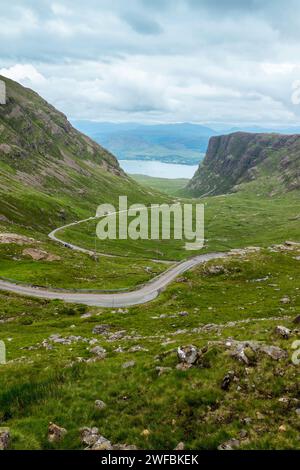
(242, 157)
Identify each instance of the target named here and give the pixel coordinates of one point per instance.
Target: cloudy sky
(232, 61)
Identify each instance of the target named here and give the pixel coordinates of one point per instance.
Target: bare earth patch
(39, 255)
(15, 238)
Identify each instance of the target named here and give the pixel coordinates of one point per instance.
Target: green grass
(231, 221)
(40, 385)
(165, 185)
(74, 270)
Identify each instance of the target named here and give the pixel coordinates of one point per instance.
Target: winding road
(140, 295)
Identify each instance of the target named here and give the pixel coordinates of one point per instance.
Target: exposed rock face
(239, 157)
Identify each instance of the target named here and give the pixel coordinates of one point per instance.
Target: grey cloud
(166, 60)
(142, 24)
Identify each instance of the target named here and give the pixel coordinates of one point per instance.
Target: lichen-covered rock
(231, 444)
(56, 433)
(283, 331)
(100, 405)
(188, 354)
(4, 438)
(99, 352)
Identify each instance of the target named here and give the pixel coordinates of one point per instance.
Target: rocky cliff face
(242, 157)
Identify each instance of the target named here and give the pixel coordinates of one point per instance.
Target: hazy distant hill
(172, 143)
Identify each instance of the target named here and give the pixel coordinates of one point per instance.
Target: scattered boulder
(188, 355)
(297, 320)
(102, 444)
(215, 269)
(99, 352)
(4, 438)
(128, 364)
(137, 348)
(3, 218)
(285, 300)
(180, 446)
(100, 405)
(56, 433)
(283, 331)
(163, 370)
(94, 441)
(230, 445)
(124, 447)
(117, 335)
(183, 314)
(246, 351)
(101, 329)
(89, 436)
(226, 382)
(274, 352)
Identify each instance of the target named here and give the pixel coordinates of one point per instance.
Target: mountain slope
(48, 168)
(243, 157)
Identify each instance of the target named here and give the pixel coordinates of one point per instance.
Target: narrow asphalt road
(138, 296)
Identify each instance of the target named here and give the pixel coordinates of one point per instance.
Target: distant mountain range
(171, 143)
(183, 143)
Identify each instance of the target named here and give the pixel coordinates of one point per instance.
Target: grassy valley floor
(150, 402)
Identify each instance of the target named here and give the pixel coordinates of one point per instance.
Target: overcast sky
(232, 61)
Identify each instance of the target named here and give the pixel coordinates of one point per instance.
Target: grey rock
(180, 446)
(117, 335)
(188, 354)
(274, 352)
(283, 331)
(56, 433)
(137, 348)
(4, 438)
(89, 436)
(101, 329)
(100, 405)
(99, 352)
(102, 444)
(226, 382)
(163, 370)
(231, 444)
(128, 364)
(124, 447)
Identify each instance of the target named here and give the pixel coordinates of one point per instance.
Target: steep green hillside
(50, 172)
(238, 158)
